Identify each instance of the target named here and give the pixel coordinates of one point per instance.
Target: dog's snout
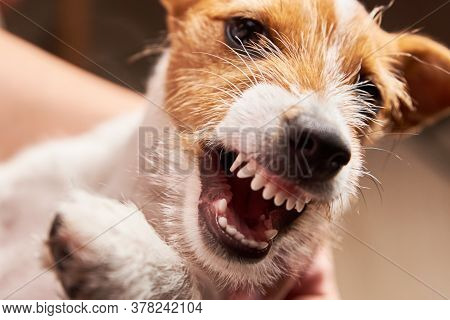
(319, 150)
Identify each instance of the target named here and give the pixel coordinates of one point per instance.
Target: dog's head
(280, 96)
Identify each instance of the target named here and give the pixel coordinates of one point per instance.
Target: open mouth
(246, 207)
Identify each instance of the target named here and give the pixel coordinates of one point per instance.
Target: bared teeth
(248, 171)
(290, 204)
(262, 245)
(222, 206)
(223, 222)
(230, 230)
(280, 198)
(271, 234)
(234, 233)
(239, 236)
(258, 182)
(236, 164)
(300, 205)
(253, 244)
(269, 191)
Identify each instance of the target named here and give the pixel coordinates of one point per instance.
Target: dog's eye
(370, 91)
(243, 34)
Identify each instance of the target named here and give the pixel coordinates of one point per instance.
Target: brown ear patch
(177, 7)
(426, 69)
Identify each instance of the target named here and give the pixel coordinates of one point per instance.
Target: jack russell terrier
(247, 154)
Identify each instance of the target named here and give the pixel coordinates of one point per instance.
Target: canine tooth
(290, 204)
(280, 198)
(246, 172)
(258, 182)
(271, 234)
(269, 191)
(222, 205)
(239, 160)
(300, 206)
(231, 230)
(239, 236)
(262, 245)
(308, 199)
(223, 222)
(252, 244)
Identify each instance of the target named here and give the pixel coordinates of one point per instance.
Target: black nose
(318, 149)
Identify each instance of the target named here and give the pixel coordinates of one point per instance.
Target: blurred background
(395, 239)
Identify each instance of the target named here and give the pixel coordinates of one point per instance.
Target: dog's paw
(74, 260)
(104, 249)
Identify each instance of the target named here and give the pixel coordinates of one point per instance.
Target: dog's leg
(104, 249)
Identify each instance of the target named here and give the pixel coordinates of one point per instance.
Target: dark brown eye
(372, 94)
(243, 33)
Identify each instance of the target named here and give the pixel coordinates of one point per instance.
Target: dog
(249, 151)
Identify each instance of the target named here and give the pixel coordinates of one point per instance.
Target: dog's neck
(153, 118)
(156, 115)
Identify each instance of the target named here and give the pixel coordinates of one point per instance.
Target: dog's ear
(177, 7)
(425, 65)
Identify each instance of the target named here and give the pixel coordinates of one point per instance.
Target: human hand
(317, 283)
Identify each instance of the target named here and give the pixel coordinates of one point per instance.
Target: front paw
(104, 249)
(76, 262)
(87, 241)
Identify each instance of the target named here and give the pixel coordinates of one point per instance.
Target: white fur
(116, 236)
(346, 10)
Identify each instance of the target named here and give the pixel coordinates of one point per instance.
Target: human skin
(43, 97)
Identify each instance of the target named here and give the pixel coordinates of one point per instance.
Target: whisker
(253, 60)
(148, 51)
(242, 59)
(275, 58)
(383, 150)
(376, 182)
(218, 89)
(219, 76)
(369, 134)
(227, 62)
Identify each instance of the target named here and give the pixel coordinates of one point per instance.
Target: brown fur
(426, 67)
(304, 31)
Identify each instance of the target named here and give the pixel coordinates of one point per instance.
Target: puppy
(248, 152)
